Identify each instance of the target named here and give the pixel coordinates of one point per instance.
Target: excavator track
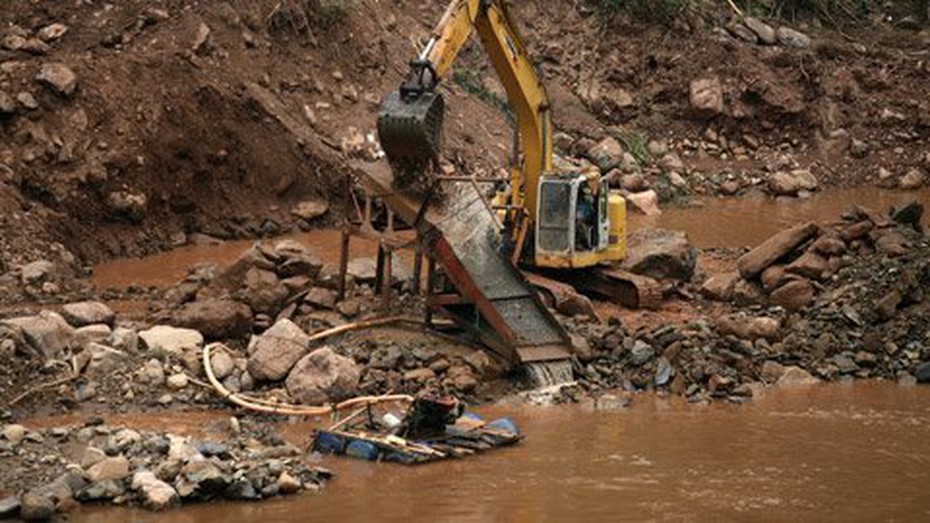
(604, 282)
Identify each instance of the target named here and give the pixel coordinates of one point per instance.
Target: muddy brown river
(838, 452)
(715, 222)
(746, 222)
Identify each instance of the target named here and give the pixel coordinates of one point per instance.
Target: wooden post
(346, 233)
(379, 268)
(386, 282)
(430, 285)
(417, 268)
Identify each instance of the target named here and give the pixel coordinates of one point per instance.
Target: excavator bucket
(410, 129)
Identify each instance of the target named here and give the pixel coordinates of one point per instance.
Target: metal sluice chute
(410, 127)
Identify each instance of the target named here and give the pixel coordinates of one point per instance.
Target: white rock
(165, 340)
(177, 381)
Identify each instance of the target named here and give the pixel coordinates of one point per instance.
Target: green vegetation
(472, 84)
(635, 144)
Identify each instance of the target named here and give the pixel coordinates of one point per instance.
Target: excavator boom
(410, 119)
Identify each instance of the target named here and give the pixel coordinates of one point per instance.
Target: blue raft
(433, 429)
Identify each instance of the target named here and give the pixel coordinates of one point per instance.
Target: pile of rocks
(97, 463)
(790, 268)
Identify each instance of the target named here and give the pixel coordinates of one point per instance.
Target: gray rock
(791, 38)
(277, 350)
(59, 77)
(323, 376)
(88, 313)
(660, 253)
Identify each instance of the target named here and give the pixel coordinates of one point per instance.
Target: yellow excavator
(553, 221)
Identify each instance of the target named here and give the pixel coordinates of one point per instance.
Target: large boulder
(757, 260)
(646, 202)
(164, 340)
(88, 313)
(47, 333)
(216, 319)
(277, 350)
(323, 376)
(659, 253)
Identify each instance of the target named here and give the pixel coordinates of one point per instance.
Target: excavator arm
(410, 120)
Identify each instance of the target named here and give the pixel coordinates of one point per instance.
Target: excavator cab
(575, 217)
